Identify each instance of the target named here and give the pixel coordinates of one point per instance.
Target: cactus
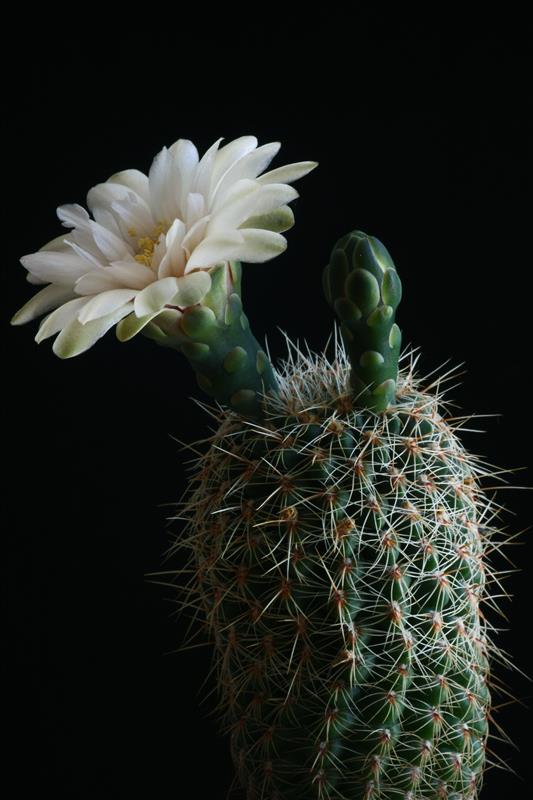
(336, 530)
(337, 549)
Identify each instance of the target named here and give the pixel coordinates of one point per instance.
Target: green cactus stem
(363, 287)
(216, 339)
(338, 559)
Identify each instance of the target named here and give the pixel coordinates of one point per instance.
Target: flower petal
(109, 244)
(58, 245)
(104, 303)
(103, 198)
(260, 245)
(99, 200)
(249, 166)
(130, 326)
(272, 196)
(135, 180)
(33, 279)
(40, 303)
(86, 253)
(204, 170)
(158, 254)
(154, 296)
(103, 195)
(192, 288)
(131, 273)
(184, 291)
(279, 220)
(76, 338)
(127, 274)
(194, 235)
(98, 280)
(165, 327)
(73, 215)
(288, 173)
(54, 267)
(228, 155)
(215, 248)
(164, 183)
(107, 220)
(194, 208)
(57, 320)
(134, 218)
(239, 190)
(252, 164)
(263, 200)
(185, 157)
(173, 262)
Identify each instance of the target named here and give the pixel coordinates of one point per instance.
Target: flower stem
(216, 339)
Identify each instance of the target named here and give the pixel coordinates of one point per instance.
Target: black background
(422, 140)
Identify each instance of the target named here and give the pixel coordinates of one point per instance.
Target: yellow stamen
(146, 244)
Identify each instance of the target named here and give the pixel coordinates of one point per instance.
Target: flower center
(146, 244)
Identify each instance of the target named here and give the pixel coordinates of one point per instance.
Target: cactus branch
(362, 286)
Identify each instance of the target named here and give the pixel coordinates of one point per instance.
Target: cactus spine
(337, 548)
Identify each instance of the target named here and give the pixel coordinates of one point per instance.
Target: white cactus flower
(153, 239)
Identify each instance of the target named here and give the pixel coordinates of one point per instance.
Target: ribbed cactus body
(338, 562)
